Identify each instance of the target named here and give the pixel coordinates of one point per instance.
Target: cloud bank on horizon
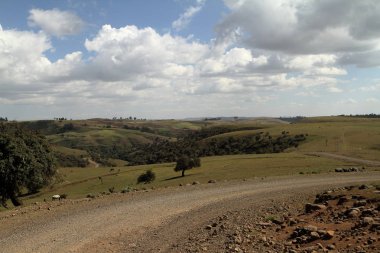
(277, 57)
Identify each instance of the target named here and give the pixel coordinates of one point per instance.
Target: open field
(353, 137)
(78, 182)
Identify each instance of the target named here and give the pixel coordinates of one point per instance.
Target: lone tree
(146, 177)
(187, 163)
(26, 163)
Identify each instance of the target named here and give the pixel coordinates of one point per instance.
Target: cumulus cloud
(262, 48)
(130, 53)
(131, 63)
(26, 74)
(56, 22)
(308, 27)
(185, 18)
(19, 62)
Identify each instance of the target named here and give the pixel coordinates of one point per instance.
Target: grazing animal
(56, 197)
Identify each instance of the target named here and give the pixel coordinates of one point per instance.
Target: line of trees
(370, 115)
(161, 151)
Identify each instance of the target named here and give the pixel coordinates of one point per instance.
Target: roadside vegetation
(26, 163)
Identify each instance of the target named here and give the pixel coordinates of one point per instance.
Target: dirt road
(147, 221)
(346, 158)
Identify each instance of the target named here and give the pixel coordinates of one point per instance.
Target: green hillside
(354, 137)
(342, 135)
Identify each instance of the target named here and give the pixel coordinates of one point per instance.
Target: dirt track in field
(346, 158)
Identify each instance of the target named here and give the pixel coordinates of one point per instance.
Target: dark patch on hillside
(165, 151)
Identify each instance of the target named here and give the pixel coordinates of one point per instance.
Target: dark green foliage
(147, 177)
(293, 119)
(68, 160)
(45, 127)
(67, 128)
(194, 145)
(26, 162)
(142, 129)
(370, 116)
(186, 163)
(103, 158)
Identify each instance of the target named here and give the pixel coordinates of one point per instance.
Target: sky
(172, 59)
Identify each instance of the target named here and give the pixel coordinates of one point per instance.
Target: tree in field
(26, 163)
(186, 163)
(146, 177)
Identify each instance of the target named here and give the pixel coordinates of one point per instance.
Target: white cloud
(372, 100)
(27, 75)
(19, 62)
(131, 53)
(186, 17)
(374, 87)
(334, 89)
(141, 69)
(314, 27)
(132, 63)
(56, 22)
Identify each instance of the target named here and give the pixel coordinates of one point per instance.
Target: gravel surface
(153, 221)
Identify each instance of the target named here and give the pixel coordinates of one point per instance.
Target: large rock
(353, 212)
(367, 221)
(329, 234)
(309, 208)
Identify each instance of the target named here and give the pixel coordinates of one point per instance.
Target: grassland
(78, 182)
(353, 137)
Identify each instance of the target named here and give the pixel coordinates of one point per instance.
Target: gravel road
(146, 221)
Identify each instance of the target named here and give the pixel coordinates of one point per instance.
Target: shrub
(147, 177)
(90, 195)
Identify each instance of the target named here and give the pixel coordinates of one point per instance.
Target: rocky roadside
(339, 220)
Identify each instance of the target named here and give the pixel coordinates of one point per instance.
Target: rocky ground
(256, 215)
(344, 219)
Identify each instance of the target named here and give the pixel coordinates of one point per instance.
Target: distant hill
(101, 140)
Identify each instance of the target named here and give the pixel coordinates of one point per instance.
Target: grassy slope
(81, 181)
(354, 137)
(101, 136)
(103, 132)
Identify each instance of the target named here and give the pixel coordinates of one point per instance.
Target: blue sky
(189, 58)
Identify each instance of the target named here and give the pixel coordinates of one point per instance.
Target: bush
(90, 196)
(147, 177)
(112, 189)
